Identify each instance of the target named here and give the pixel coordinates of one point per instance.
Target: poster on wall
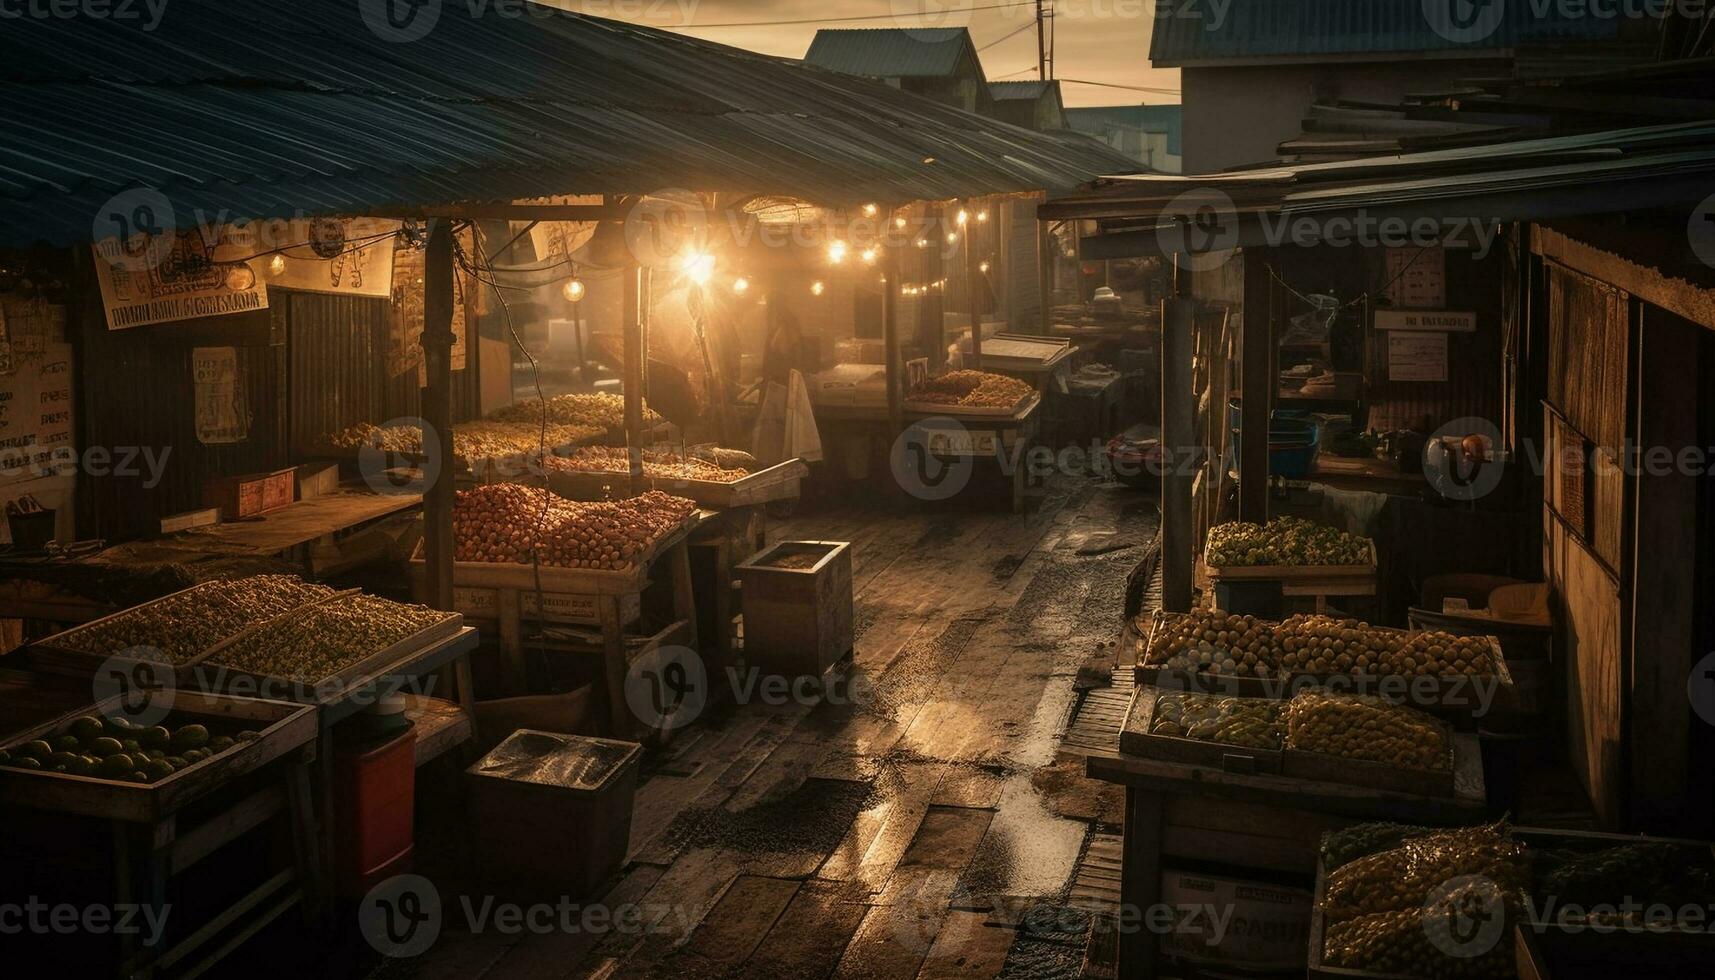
(195, 272)
(344, 256)
(36, 415)
(1417, 277)
(404, 346)
(1416, 356)
(222, 416)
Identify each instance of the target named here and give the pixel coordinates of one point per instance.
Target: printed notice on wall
(221, 414)
(194, 272)
(346, 256)
(1416, 356)
(1417, 277)
(35, 414)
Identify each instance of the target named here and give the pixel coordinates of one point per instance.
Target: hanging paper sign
(1417, 277)
(36, 413)
(1455, 321)
(404, 342)
(221, 413)
(1414, 356)
(195, 272)
(344, 256)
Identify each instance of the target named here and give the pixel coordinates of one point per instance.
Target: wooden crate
(549, 607)
(1137, 739)
(1458, 698)
(1322, 767)
(1293, 574)
(284, 727)
(777, 482)
(562, 581)
(251, 494)
(1023, 407)
(797, 621)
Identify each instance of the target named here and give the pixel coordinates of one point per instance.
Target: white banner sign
(196, 272)
(1451, 320)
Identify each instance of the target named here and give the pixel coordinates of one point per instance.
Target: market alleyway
(929, 833)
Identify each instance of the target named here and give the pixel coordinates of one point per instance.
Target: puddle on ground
(1027, 850)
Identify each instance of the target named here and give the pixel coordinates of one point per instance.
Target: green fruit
(190, 737)
(138, 776)
(248, 735)
(66, 743)
(65, 759)
(58, 769)
(117, 725)
(176, 761)
(85, 728)
(116, 766)
(84, 765)
(103, 747)
(220, 743)
(157, 770)
(130, 746)
(37, 750)
(194, 756)
(155, 738)
(154, 754)
(26, 762)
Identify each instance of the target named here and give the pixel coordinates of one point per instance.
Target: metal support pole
(1256, 380)
(968, 233)
(437, 340)
(891, 265)
(1178, 408)
(633, 286)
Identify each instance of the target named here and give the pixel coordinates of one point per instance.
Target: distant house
(1032, 103)
(1148, 134)
(937, 63)
(1249, 77)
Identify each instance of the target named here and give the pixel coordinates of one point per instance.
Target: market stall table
(1200, 813)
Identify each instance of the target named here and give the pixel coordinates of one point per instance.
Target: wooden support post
(634, 284)
(1256, 381)
(967, 232)
(1179, 440)
(437, 341)
(890, 340)
(1045, 274)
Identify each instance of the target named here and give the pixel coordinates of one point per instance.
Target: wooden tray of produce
(777, 482)
(1018, 410)
(1576, 950)
(1458, 696)
(52, 654)
(1315, 968)
(1325, 768)
(554, 578)
(235, 680)
(1137, 739)
(1246, 573)
(281, 727)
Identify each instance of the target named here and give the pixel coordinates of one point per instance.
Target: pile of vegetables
(1248, 722)
(1368, 728)
(1215, 642)
(657, 465)
(975, 389)
(180, 627)
(601, 410)
(507, 522)
(320, 640)
(116, 749)
(1283, 541)
(471, 440)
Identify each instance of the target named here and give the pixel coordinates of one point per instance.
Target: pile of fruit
(471, 440)
(320, 640)
(116, 749)
(601, 410)
(507, 522)
(1249, 722)
(1215, 642)
(1408, 910)
(657, 465)
(1355, 726)
(1324, 645)
(180, 627)
(1283, 541)
(974, 389)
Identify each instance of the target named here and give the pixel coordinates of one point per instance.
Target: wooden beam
(890, 339)
(1677, 296)
(437, 341)
(1181, 445)
(633, 296)
(1256, 385)
(1045, 275)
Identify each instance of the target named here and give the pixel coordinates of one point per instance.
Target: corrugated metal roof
(893, 52)
(1021, 90)
(261, 109)
(1265, 29)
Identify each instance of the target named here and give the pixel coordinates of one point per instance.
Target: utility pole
(1041, 46)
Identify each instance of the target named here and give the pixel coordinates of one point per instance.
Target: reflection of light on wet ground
(1028, 850)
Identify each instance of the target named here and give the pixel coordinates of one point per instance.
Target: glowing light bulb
(982, 215)
(816, 288)
(963, 217)
(277, 265)
(868, 256)
(740, 284)
(836, 252)
(983, 265)
(573, 290)
(240, 277)
(899, 222)
(697, 266)
(952, 236)
(922, 243)
(869, 210)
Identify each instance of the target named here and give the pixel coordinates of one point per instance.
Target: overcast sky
(1097, 40)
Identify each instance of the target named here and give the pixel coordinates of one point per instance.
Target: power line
(1007, 36)
(844, 20)
(1129, 88)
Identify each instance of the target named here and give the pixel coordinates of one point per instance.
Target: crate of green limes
(99, 762)
(1230, 733)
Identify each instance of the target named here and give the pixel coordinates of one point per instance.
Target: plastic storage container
(375, 792)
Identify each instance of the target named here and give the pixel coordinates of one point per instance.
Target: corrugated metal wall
(1474, 385)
